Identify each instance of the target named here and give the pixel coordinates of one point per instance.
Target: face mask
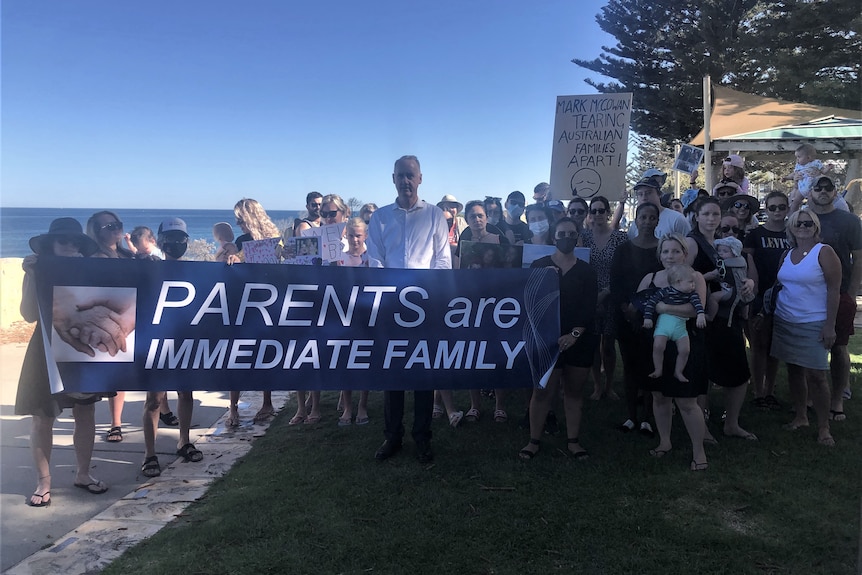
(566, 245)
(539, 227)
(494, 220)
(174, 250)
(515, 211)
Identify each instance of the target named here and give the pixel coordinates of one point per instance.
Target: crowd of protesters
(786, 286)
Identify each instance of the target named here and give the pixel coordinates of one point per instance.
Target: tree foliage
(798, 50)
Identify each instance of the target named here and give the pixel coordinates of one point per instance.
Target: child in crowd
(223, 235)
(142, 243)
(806, 172)
(733, 170)
(670, 327)
(729, 249)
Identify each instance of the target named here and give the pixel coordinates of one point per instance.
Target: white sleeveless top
(803, 298)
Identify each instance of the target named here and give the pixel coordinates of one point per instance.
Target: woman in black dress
(632, 261)
(578, 295)
(65, 238)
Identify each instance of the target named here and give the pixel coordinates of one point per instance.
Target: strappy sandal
(437, 412)
(115, 435)
(579, 454)
(526, 454)
(455, 418)
(169, 419)
(472, 415)
(151, 467)
(190, 453)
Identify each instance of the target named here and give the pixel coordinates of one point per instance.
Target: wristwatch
(575, 333)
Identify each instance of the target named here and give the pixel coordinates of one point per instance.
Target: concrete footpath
(82, 533)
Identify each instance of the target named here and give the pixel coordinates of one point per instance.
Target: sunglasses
(725, 229)
(598, 211)
(740, 205)
(726, 193)
(722, 270)
(112, 227)
(780, 208)
(577, 211)
(561, 235)
(822, 188)
(331, 214)
(68, 242)
(805, 224)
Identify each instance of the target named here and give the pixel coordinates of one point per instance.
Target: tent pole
(707, 144)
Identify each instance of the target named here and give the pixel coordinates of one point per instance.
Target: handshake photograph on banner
(93, 324)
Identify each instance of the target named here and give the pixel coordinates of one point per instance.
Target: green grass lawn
(311, 499)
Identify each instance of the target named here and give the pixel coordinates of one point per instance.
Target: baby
(733, 170)
(730, 251)
(142, 243)
(681, 290)
(806, 172)
(223, 235)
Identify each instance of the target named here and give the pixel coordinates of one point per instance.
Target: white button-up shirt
(415, 238)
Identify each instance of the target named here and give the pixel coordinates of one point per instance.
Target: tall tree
(806, 50)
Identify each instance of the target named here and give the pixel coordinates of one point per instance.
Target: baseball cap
(173, 225)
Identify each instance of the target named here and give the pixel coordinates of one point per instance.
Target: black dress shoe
(387, 450)
(423, 452)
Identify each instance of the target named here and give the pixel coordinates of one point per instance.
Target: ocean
(18, 225)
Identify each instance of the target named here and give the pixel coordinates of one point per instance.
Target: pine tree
(799, 50)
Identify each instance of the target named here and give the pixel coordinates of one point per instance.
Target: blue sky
(197, 103)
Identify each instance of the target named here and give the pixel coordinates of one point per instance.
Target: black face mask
(566, 245)
(174, 250)
(450, 222)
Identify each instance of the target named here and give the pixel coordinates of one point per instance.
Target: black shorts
(581, 354)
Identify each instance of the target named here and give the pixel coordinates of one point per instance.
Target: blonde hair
(223, 231)
(256, 219)
(339, 203)
(357, 223)
(791, 224)
(675, 236)
(679, 272)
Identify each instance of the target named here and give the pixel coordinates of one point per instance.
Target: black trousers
(393, 414)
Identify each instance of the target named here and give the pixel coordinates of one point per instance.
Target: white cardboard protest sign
(591, 136)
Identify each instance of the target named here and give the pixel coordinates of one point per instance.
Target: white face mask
(539, 227)
(515, 211)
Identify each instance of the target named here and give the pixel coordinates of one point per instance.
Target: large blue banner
(144, 325)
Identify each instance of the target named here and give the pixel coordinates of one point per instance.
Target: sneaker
(629, 425)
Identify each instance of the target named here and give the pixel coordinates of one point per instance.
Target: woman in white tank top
(804, 326)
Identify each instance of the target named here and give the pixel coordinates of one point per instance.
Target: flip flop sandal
(190, 453)
(361, 421)
(115, 435)
(151, 467)
(41, 503)
(96, 487)
(297, 419)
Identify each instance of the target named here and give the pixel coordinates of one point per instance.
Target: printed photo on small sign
(591, 135)
(331, 247)
(261, 251)
(302, 251)
(477, 255)
(688, 159)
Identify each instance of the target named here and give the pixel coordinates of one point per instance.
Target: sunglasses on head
(805, 224)
(331, 214)
(740, 205)
(112, 227)
(493, 200)
(561, 235)
(577, 211)
(778, 208)
(598, 211)
(725, 229)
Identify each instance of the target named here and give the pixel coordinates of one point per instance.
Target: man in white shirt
(648, 191)
(409, 234)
